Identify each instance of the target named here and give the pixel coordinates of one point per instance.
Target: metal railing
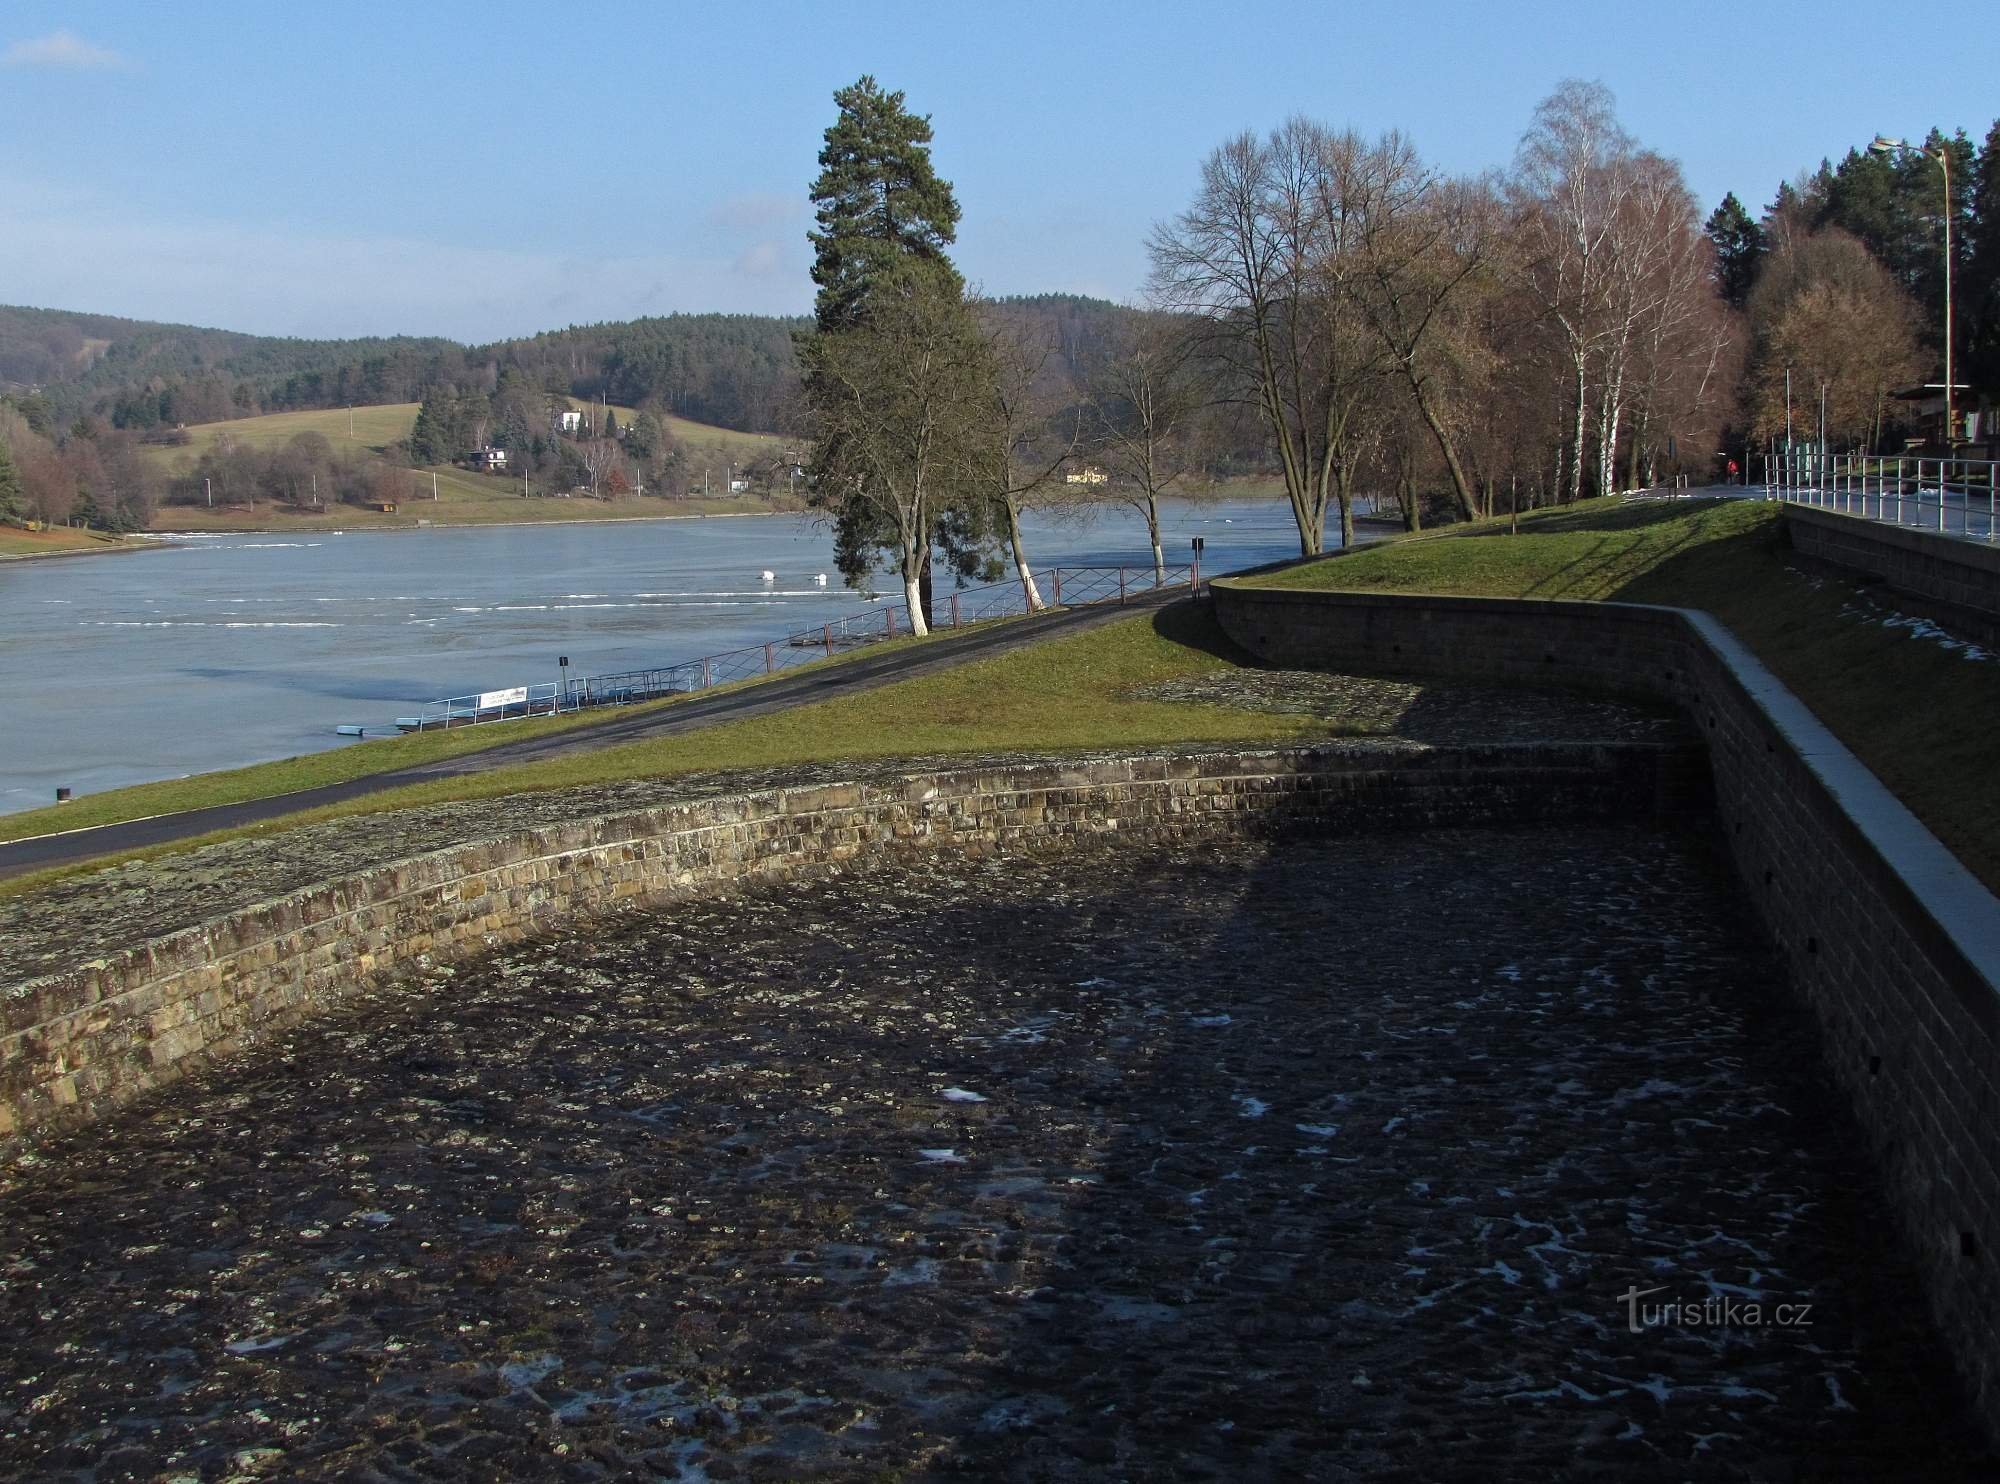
(1058, 587)
(1954, 496)
(493, 705)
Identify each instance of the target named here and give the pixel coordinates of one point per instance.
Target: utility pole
(434, 486)
(208, 487)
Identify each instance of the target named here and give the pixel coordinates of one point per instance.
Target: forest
(1328, 309)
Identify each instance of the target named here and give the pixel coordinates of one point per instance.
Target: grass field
(462, 497)
(17, 541)
(1917, 713)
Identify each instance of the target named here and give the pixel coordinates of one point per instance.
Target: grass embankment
(365, 758)
(1917, 713)
(1070, 693)
(18, 541)
(463, 497)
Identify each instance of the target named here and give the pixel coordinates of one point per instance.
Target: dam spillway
(1225, 1158)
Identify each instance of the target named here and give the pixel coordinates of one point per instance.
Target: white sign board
(518, 696)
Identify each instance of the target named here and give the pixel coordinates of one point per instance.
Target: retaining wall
(1895, 945)
(79, 1043)
(1948, 570)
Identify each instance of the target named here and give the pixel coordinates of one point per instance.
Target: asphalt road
(863, 673)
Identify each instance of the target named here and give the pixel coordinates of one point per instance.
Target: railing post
(1058, 596)
(826, 633)
(954, 610)
(769, 663)
(889, 622)
(706, 673)
(1121, 587)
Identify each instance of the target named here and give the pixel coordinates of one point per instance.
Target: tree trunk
(914, 599)
(1153, 535)
(1029, 591)
(924, 593)
(1582, 411)
(1460, 492)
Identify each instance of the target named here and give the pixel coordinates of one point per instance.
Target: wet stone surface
(1316, 1161)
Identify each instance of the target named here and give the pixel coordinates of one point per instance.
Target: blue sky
(479, 170)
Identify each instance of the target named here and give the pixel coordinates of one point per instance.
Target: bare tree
(1573, 172)
(1250, 257)
(1833, 315)
(900, 406)
(1424, 249)
(1026, 442)
(1144, 400)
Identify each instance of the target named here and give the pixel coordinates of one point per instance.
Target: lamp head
(1884, 145)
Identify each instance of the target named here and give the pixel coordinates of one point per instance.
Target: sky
(494, 169)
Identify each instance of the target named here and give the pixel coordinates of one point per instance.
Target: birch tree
(1144, 399)
(1572, 175)
(1022, 446)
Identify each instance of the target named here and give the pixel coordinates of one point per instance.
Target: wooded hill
(728, 370)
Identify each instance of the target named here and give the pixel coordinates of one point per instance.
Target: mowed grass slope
(1067, 694)
(18, 541)
(1918, 713)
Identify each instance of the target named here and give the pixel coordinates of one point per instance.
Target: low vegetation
(18, 541)
(1072, 693)
(1917, 712)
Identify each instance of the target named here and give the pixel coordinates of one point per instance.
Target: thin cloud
(63, 49)
(70, 248)
(756, 211)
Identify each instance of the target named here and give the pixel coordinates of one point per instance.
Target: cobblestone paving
(87, 916)
(1318, 1163)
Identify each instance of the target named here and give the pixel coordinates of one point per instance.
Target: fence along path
(1955, 497)
(1060, 587)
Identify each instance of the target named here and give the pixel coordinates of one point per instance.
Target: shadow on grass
(1192, 626)
(1701, 571)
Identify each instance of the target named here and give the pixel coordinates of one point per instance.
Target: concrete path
(863, 673)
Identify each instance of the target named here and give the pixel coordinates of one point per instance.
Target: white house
(571, 421)
(490, 460)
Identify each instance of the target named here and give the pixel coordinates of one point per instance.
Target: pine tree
(610, 423)
(1979, 299)
(891, 311)
(1739, 248)
(12, 503)
(431, 438)
(881, 208)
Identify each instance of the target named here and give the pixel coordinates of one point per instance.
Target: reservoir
(213, 652)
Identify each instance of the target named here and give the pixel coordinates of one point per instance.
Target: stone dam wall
(1958, 575)
(77, 1044)
(1893, 944)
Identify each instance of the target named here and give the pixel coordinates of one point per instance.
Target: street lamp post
(1884, 146)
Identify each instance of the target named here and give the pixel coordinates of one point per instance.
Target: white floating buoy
(820, 580)
(767, 576)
